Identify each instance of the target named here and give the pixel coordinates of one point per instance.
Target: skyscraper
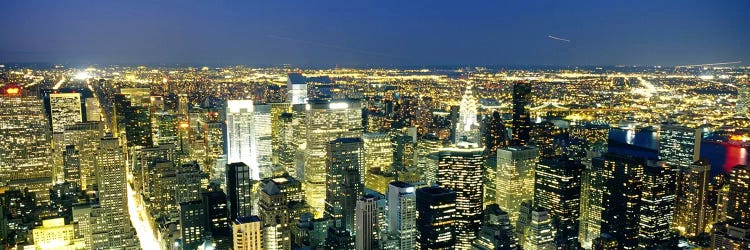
(460, 169)
(367, 217)
(345, 158)
(262, 139)
(540, 235)
(25, 147)
(217, 217)
(72, 165)
(436, 218)
(657, 208)
(326, 121)
(738, 207)
(65, 109)
(240, 135)
(239, 190)
(691, 217)
(296, 88)
(116, 230)
(496, 232)
(402, 215)
(247, 233)
(621, 201)
(277, 198)
(557, 188)
(188, 182)
(514, 179)
(521, 115)
(495, 134)
(378, 152)
(193, 228)
(467, 128)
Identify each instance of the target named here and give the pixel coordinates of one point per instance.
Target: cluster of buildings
(160, 159)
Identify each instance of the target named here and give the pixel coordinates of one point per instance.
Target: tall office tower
(621, 200)
(405, 152)
(240, 135)
(514, 179)
(138, 126)
(345, 158)
(183, 104)
(262, 139)
(378, 152)
(85, 137)
(277, 110)
(25, 147)
(467, 128)
(557, 188)
(436, 218)
(738, 207)
(247, 233)
(55, 234)
(188, 182)
(117, 232)
(540, 235)
(72, 165)
(428, 150)
(82, 223)
(743, 99)
(591, 197)
(217, 217)
(657, 208)
(278, 197)
(286, 146)
(326, 121)
(679, 146)
(296, 88)
(521, 116)
(690, 215)
(214, 136)
(93, 110)
(460, 169)
(402, 215)
(367, 216)
(65, 109)
(192, 224)
(496, 232)
(495, 134)
(161, 189)
(165, 128)
(524, 220)
(239, 190)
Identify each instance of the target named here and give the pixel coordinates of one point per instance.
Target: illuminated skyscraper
(557, 189)
(540, 235)
(247, 233)
(116, 230)
(72, 165)
(738, 207)
(287, 144)
(367, 217)
(679, 146)
(521, 115)
(496, 232)
(240, 135)
(657, 208)
(192, 224)
(296, 88)
(592, 192)
(460, 170)
(278, 197)
(65, 109)
(436, 218)
(495, 134)
(691, 217)
(189, 179)
(326, 121)
(467, 128)
(402, 215)
(743, 99)
(25, 147)
(378, 153)
(345, 158)
(86, 138)
(623, 184)
(262, 139)
(514, 179)
(239, 190)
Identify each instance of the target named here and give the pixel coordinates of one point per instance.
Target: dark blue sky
(375, 32)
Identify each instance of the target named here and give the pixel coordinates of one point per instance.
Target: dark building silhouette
(436, 209)
(239, 187)
(521, 116)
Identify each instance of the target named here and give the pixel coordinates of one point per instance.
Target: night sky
(377, 33)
